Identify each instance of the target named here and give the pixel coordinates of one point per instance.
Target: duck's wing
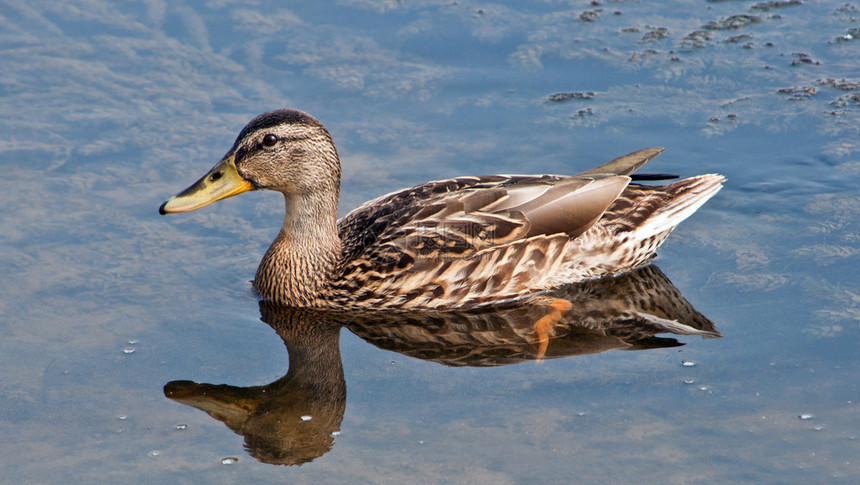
(548, 204)
(471, 240)
(364, 226)
(458, 260)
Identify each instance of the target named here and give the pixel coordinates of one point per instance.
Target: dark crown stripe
(275, 118)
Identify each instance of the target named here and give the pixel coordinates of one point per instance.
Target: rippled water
(109, 107)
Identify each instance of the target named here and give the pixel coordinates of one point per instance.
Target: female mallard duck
(457, 243)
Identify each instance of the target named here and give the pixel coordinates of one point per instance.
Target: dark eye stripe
(242, 152)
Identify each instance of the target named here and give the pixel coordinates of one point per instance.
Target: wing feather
(470, 241)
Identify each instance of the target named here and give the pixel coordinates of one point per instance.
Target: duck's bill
(221, 182)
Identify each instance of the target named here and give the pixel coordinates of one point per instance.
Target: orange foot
(547, 322)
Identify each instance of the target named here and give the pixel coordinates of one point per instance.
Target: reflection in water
(274, 418)
(294, 419)
(624, 312)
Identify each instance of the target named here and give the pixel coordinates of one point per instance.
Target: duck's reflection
(294, 419)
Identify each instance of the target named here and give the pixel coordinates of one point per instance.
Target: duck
(455, 244)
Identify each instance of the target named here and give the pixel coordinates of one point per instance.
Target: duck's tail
(650, 210)
(635, 225)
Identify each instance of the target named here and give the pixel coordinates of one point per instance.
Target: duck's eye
(270, 140)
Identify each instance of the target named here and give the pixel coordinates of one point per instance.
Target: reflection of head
(292, 420)
(288, 437)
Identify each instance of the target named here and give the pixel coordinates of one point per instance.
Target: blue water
(108, 108)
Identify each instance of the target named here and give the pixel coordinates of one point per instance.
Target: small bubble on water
(181, 426)
(122, 417)
(689, 381)
(688, 363)
(580, 414)
(818, 428)
(393, 363)
(154, 453)
(133, 342)
(805, 417)
(128, 350)
(229, 460)
(335, 434)
(704, 388)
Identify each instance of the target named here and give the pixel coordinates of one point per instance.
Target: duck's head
(285, 150)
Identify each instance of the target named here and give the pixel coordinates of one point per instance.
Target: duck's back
(473, 241)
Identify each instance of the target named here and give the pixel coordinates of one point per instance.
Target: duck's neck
(299, 264)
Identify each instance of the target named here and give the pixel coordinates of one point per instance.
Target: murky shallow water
(111, 108)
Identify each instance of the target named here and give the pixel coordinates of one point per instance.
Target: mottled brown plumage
(457, 243)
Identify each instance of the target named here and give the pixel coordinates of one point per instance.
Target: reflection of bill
(296, 418)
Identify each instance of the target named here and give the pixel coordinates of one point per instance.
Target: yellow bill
(221, 182)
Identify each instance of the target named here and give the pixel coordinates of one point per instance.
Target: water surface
(111, 107)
